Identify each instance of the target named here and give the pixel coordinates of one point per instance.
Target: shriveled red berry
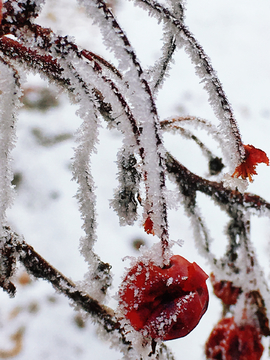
(164, 303)
(225, 290)
(253, 157)
(149, 226)
(228, 341)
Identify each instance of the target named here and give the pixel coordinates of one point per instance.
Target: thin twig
(191, 183)
(40, 268)
(165, 61)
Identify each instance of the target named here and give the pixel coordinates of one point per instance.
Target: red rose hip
(228, 341)
(164, 303)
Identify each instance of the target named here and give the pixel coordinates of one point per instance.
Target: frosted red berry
(228, 341)
(225, 290)
(164, 303)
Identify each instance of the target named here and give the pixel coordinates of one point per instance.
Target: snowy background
(236, 36)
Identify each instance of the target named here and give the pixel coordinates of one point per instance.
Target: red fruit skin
(253, 157)
(228, 341)
(148, 226)
(164, 303)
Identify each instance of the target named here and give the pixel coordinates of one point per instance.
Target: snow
(45, 211)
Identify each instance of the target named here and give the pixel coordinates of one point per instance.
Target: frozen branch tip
(253, 157)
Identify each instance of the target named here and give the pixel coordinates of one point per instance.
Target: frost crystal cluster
(162, 296)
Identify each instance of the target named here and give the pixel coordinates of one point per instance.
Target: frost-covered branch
(18, 13)
(206, 72)
(191, 183)
(40, 268)
(14, 248)
(146, 115)
(161, 68)
(215, 163)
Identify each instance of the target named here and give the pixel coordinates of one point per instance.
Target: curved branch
(155, 204)
(40, 268)
(162, 65)
(190, 183)
(217, 96)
